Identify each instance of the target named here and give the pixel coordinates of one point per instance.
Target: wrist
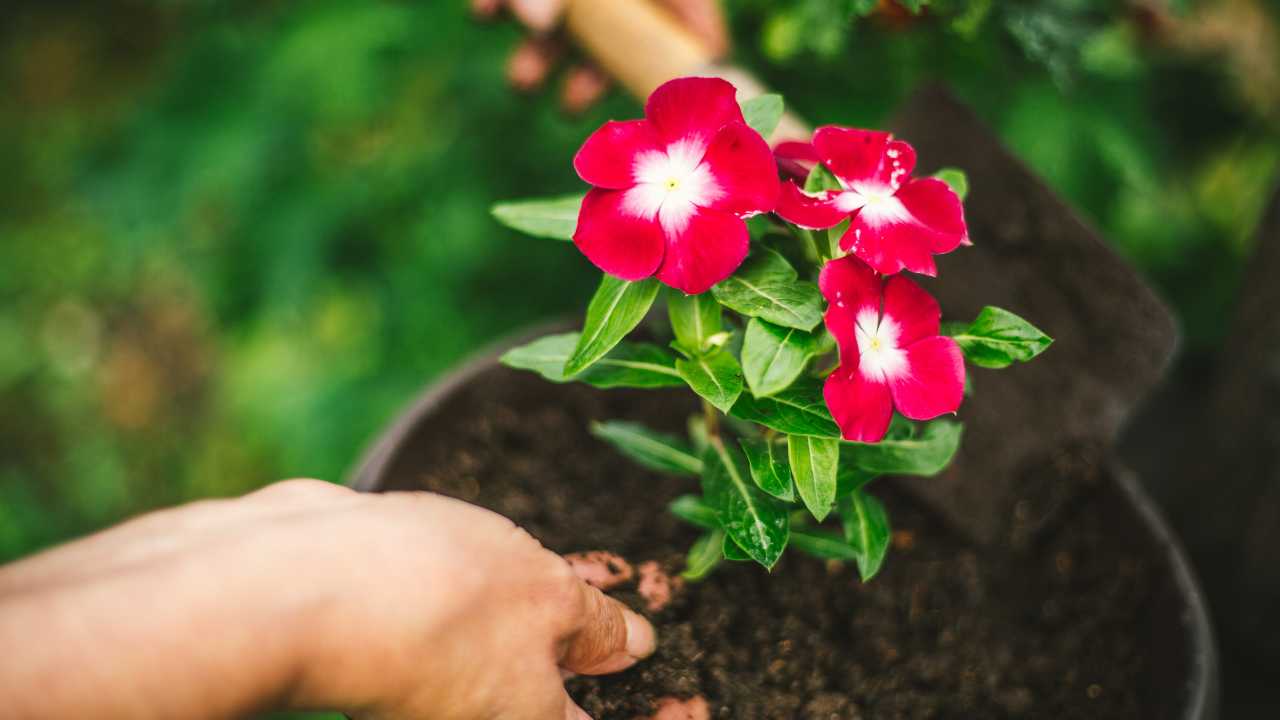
(176, 637)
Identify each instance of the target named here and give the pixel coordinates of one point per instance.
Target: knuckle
(519, 536)
(301, 489)
(565, 592)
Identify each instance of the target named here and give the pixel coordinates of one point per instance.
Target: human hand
(533, 60)
(307, 595)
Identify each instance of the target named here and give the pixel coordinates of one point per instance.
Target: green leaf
(866, 528)
(766, 287)
(956, 178)
(863, 8)
(968, 22)
(926, 454)
(798, 410)
(774, 356)
(850, 477)
(695, 319)
(733, 551)
(636, 365)
(824, 342)
(900, 428)
(913, 6)
(755, 521)
(555, 217)
(820, 178)
(769, 468)
(828, 546)
(762, 113)
(691, 509)
(616, 309)
(651, 449)
(813, 464)
(717, 378)
(998, 338)
(704, 556)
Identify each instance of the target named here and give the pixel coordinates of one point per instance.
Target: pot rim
(363, 476)
(1203, 677)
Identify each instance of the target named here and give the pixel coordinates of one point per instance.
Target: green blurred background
(236, 237)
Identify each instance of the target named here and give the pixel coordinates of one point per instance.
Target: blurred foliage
(242, 235)
(1159, 120)
(237, 236)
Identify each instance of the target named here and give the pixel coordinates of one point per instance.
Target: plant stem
(711, 418)
(833, 244)
(808, 243)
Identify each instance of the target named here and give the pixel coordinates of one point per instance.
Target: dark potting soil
(947, 630)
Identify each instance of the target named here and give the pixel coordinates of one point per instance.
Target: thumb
(606, 637)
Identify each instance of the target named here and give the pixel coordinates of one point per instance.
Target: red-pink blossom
(671, 191)
(891, 355)
(895, 221)
(795, 159)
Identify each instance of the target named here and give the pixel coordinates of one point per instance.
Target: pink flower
(795, 159)
(891, 355)
(671, 190)
(895, 221)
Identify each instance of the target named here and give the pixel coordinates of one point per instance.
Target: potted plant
(748, 529)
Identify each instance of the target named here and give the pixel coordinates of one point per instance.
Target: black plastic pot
(1181, 680)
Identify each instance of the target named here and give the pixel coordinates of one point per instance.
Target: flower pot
(1099, 617)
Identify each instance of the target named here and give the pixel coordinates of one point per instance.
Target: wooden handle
(642, 46)
(636, 42)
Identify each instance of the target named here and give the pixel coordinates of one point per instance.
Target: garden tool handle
(642, 46)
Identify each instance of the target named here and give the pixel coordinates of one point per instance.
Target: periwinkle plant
(810, 390)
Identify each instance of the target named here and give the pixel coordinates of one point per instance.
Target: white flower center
(877, 204)
(880, 358)
(671, 185)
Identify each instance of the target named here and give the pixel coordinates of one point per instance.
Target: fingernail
(640, 636)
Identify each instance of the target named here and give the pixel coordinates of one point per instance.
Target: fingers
(583, 86)
(705, 19)
(608, 636)
(485, 9)
(532, 61)
(538, 15)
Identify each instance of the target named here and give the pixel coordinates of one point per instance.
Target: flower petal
(616, 240)
(890, 246)
(853, 155)
(850, 288)
(795, 150)
(915, 312)
(796, 159)
(867, 158)
(847, 280)
(899, 161)
(692, 108)
(862, 408)
(711, 245)
(938, 210)
(934, 382)
(815, 213)
(744, 169)
(607, 159)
